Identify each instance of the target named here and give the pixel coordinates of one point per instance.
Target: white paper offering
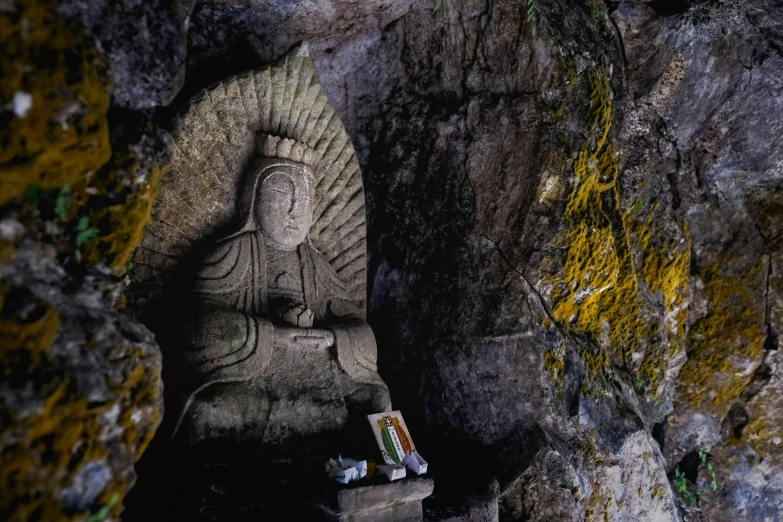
(346, 470)
(392, 471)
(415, 463)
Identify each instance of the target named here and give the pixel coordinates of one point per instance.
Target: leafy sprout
(437, 6)
(84, 231)
(681, 485)
(61, 204)
(101, 514)
(532, 7)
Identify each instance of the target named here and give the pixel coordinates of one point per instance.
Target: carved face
(283, 209)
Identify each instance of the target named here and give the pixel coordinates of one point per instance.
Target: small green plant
(532, 7)
(437, 6)
(639, 383)
(84, 231)
(101, 514)
(703, 457)
(681, 485)
(706, 206)
(702, 454)
(637, 205)
(33, 195)
(599, 14)
(61, 204)
(657, 402)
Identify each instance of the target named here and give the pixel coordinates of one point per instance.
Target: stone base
(398, 501)
(249, 492)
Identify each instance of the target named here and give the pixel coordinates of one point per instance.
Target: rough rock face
(468, 122)
(572, 236)
(144, 44)
(709, 76)
(80, 398)
(573, 215)
(81, 393)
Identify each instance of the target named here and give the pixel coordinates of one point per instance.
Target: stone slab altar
(398, 501)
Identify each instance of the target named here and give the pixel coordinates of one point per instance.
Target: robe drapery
(230, 342)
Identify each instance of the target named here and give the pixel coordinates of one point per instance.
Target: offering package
(392, 436)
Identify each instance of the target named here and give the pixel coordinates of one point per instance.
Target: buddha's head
(283, 204)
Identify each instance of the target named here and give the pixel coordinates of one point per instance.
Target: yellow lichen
(55, 133)
(119, 202)
(597, 290)
(54, 129)
(65, 432)
(554, 363)
(727, 343)
(23, 343)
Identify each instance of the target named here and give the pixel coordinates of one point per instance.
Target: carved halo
(215, 140)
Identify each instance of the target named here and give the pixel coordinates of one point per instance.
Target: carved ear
(214, 144)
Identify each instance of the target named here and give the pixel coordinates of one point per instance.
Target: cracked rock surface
(573, 242)
(574, 238)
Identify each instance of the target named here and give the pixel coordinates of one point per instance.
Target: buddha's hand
(318, 338)
(297, 315)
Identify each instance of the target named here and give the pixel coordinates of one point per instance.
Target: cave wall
(573, 240)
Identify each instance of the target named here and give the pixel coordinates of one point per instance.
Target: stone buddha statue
(276, 351)
(253, 272)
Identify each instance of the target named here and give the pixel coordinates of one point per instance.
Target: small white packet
(346, 470)
(360, 465)
(392, 471)
(415, 463)
(343, 475)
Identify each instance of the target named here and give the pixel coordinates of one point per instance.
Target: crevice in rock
(689, 466)
(659, 433)
(771, 340)
(530, 286)
(619, 35)
(735, 421)
(760, 379)
(669, 7)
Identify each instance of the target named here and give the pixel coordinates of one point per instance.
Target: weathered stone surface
(573, 233)
(230, 37)
(468, 122)
(463, 498)
(54, 100)
(144, 44)
(708, 77)
(393, 502)
(81, 392)
(748, 466)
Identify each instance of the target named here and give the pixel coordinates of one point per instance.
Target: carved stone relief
(264, 204)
